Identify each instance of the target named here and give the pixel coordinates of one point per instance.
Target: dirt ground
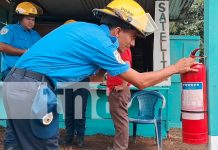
(100, 142)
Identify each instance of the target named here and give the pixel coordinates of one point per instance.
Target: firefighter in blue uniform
(16, 39)
(73, 52)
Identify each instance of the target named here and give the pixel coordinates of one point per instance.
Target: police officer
(75, 51)
(16, 39)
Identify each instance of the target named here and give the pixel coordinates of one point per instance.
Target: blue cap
(45, 119)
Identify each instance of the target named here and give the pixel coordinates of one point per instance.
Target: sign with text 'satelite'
(161, 54)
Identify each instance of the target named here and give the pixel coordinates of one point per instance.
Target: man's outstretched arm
(146, 79)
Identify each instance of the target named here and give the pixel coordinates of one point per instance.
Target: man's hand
(118, 88)
(184, 65)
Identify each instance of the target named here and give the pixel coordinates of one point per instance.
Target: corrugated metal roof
(82, 8)
(178, 8)
(4, 4)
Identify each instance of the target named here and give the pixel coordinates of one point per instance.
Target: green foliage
(193, 24)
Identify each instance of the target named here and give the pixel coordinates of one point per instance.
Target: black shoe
(80, 141)
(67, 141)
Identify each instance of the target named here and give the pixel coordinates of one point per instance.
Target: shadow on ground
(100, 142)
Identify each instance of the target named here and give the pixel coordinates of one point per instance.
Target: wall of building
(180, 46)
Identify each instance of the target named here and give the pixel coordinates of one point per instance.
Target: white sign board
(161, 54)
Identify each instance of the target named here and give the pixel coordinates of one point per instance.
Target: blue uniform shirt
(16, 36)
(73, 52)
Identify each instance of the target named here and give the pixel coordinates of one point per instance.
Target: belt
(34, 75)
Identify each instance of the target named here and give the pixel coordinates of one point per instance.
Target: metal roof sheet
(73, 8)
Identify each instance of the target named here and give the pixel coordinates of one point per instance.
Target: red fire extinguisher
(194, 105)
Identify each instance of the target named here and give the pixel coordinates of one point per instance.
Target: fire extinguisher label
(192, 100)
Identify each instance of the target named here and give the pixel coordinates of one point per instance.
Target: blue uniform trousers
(22, 129)
(75, 126)
(9, 138)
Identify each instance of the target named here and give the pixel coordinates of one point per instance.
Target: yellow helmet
(28, 9)
(130, 12)
(69, 21)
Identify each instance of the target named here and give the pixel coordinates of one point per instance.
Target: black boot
(80, 141)
(67, 140)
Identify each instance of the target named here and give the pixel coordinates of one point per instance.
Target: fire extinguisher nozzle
(194, 52)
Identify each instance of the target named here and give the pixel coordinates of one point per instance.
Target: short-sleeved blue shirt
(73, 52)
(15, 35)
